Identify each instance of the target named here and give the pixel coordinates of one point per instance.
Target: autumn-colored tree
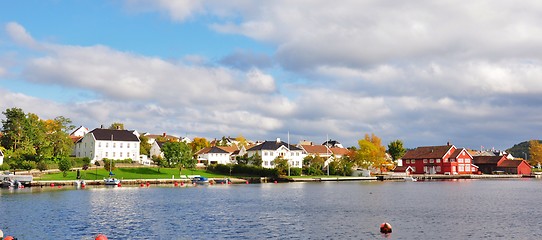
(396, 149)
(535, 152)
(371, 153)
(242, 141)
(144, 145)
(199, 143)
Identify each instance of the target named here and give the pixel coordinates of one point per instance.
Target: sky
(425, 72)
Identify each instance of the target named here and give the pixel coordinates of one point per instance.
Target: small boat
(111, 181)
(8, 182)
(200, 180)
(410, 179)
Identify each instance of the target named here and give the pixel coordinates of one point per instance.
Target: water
(463, 209)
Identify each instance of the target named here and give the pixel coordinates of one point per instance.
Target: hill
(521, 149)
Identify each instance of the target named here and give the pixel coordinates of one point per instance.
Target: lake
(461, 209)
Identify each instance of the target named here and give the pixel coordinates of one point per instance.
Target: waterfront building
(108, 143)
(445, 159)
(270, 150)
(501, 164)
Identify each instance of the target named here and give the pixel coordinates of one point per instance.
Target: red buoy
(100, 237)
(385, 228)
(275, 181)
(52, 185)
(176, 184)
(182, 184)
(8, 238)
(119, 185)
(247, 182)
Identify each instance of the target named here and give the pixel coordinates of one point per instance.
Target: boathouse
(501, 164)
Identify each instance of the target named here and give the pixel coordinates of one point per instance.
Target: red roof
(510, 163)
(316, 149)
(428, 152)
(481, 160)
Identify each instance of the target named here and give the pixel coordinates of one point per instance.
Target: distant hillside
(519, 149)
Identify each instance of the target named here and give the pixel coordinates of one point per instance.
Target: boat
(110, 181)
(410, 179)
(9, 182)
(200, 180)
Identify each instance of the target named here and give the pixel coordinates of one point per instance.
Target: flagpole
(289, 153)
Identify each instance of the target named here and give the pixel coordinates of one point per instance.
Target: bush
(27, 165)
(64, 165)
(312, 171)
(295, 171)
(42, 165)
(4, 167)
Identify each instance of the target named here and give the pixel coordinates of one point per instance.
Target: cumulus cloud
(19, 35)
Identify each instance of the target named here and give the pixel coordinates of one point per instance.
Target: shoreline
(41, 183)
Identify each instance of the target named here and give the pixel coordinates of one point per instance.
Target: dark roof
(428, 152)
(215, 149)
(272, 145)
(481, 160)
(114, 135)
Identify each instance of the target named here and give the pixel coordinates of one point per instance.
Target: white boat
(111, 181)
(200, 180)
(410, 179)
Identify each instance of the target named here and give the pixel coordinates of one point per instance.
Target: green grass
(128, 173)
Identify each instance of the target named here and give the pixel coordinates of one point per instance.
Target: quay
(127, 182)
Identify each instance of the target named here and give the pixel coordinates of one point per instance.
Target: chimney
(278, 140)
(102, 126)
(163, 134)
(118, 127)
(448, 143)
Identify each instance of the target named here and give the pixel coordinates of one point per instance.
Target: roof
(428, 152)
(482, 160)
(316, 149)
(213, 149)
(510, 163)
(402, 168)
(1, 153)
(114, 135)
(340, 151)
(229, 149)
(272, 145)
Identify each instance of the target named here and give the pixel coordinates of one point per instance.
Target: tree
(144, 145)
(242, 140)
(64, 165)
(117, 125)
(396, 149)
(12, 128)
(281, 165)
(177, 154)
(242, 160)
(158, 161)
(535, 152)
(199, 143)
(109, 164)
(371, 153)
(255, 160)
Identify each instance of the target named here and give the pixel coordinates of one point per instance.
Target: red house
(445, 159)
(490, 164)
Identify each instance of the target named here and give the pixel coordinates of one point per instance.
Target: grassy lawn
(320, 176)
(128, 173)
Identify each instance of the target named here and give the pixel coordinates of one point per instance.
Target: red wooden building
(445, 159)
(490, 164)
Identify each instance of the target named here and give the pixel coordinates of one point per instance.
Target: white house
(79, 132)
(215, 154)
(269, 150)
(1, 157)
(156, 149)
(107, 143)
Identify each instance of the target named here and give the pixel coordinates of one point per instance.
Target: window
(438, 169)
(461, 168)
(120, 154)
(265, 153)
(467, 160)
(113, 154)
(106, 154)
(407, 161)
(467, 168)
(271, 154)
(120, 145)
(431, 160)
(412, 161)
(425, 161)
(460, 160)
(106, 144)
(128, 145)
(438, 160)
(445, 160)
(297, 154)
(114, 145)
(99, 144)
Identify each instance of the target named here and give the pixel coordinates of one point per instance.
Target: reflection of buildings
(445, 159)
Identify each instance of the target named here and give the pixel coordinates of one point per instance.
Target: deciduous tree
(535, 152)
(199, 143)
(371, 153)
(396, 149)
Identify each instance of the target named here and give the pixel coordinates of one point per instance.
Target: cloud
(246, 60)
(19, 35)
